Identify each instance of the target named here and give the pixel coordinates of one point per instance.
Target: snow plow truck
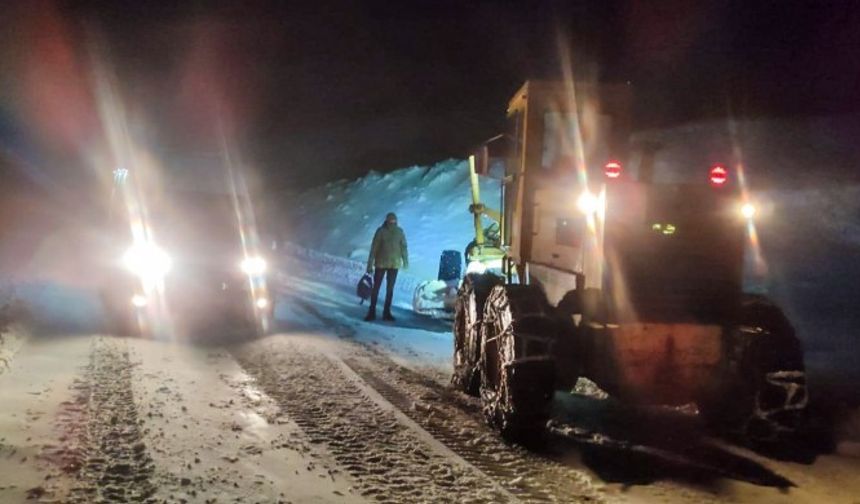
(592, 270)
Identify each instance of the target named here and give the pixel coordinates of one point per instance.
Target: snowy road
(284, 419)
(331, 409)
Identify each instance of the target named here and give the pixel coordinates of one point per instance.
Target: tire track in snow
(526, 475)
(460, 427)
(112, 463)
(388, 460)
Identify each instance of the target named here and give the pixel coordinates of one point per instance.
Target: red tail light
(718, 175)
(612, 169)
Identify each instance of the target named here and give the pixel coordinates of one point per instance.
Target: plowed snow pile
(431, 204)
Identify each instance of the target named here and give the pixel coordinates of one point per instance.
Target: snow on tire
(517, 366)
(468, 316)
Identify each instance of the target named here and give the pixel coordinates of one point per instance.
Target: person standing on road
(387, 255)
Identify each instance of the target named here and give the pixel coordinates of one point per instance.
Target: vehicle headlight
(253, 265)
(587, 203)
(748, 210)
(147, 261)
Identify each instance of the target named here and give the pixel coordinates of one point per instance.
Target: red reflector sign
(718, 175)
(612, 169)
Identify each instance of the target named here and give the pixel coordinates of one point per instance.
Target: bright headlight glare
(253, 265)
(147, 260)
(139, 300)
(748, 210)
(587, 203)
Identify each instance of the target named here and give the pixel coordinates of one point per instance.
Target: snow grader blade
(703, 459)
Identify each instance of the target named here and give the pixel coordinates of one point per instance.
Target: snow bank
(431, 204)
(12, 333)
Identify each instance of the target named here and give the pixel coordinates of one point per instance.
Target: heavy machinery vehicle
(631, 282)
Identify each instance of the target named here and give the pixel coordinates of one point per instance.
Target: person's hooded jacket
(388, 249)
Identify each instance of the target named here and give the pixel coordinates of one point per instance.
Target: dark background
(314, 91)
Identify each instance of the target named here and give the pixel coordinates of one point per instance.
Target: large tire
(468, 316)
(517, 364)
(767, 404)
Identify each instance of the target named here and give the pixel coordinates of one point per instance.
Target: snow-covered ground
(325, 285)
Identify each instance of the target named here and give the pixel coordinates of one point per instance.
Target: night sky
(322, 90)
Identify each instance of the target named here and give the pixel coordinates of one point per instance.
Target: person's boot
(371, 316)
(387, 317)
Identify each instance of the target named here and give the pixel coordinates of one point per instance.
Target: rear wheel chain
(468, 316)
(517, 367)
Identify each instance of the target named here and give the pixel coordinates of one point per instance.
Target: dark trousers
(390, 277)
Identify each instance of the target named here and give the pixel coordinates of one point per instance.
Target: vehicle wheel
(517, 364)
(770, 398)
(468, 315)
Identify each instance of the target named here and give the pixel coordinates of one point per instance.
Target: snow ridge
(431, 203)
